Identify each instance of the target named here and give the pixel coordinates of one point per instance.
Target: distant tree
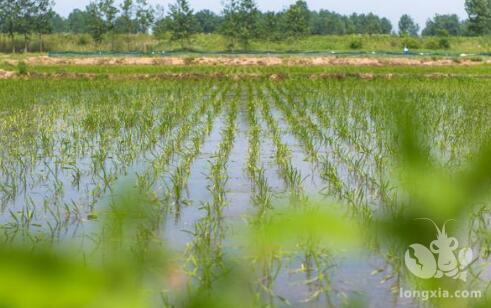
(125, 23)
(479, 12)
(297, 19)
(145, 16)
(59, 24)
(160, 27)
(270, 25)
(248, 18)
(351, 26)
(443, 25)
(465, 27)
(407, 26)
(327, 23)
(357, 23)
(208, 22)
(9, 17)
(240, 22)
(318, 22)
(181, 22)
(373, 24)
(231, 24)
(385, 26)
(336, 24)
(95, 21)
(78, 21)
(109, 13)
(366, 24)
(26, 24)
(42, 19)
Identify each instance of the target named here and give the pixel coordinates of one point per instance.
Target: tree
(78, 21)
(443, 25)
(407, 26)
(125, 23)
(43, 19)
(145, 16)
(231, 23)
(109, 13)
(208, 22)
(385, 26)
(181, 22)
(10, 15)
(270, 26)
(58, 23)
(160, 27)
(247, 24)
(372, 24)
(327, 23)
(26, 20)
(95, 21)
(240, 22)
(479, 12)
(298, 19)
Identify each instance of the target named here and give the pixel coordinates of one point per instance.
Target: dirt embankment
(230, 76)
(250, 60)
(7, 74)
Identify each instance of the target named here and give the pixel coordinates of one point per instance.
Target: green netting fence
(262, 53)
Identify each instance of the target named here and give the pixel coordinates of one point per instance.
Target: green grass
(479, 69)
(217, 43)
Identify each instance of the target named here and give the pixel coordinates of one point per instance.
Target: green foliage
(444, 25)
(432, 44)
(181, 23)
(22, 68)
(208, 21)
(79, 21)
(125, 23)
(26, 17)
(356, 44)
(479, 12)
(97, 26)
(144, 16)
(240, 22)
(407, 26)
(440, 43)
(83, 40)
(205, 43)
(411, 43)
(297, 19)
(270, 25)
(101, 16)
(444, 43)
(58, 24)
(109, 12)
(325, 22)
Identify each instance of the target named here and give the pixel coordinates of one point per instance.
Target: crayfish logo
(443, 258)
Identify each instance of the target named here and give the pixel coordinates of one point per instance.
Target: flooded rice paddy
(210, 160)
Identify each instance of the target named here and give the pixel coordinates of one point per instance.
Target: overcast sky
(421, 10)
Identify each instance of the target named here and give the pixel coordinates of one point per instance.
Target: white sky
(420, 10)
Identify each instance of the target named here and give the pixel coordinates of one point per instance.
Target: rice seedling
(68, 145)
(290, 174)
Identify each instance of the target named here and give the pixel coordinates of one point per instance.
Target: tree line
(240, 21)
